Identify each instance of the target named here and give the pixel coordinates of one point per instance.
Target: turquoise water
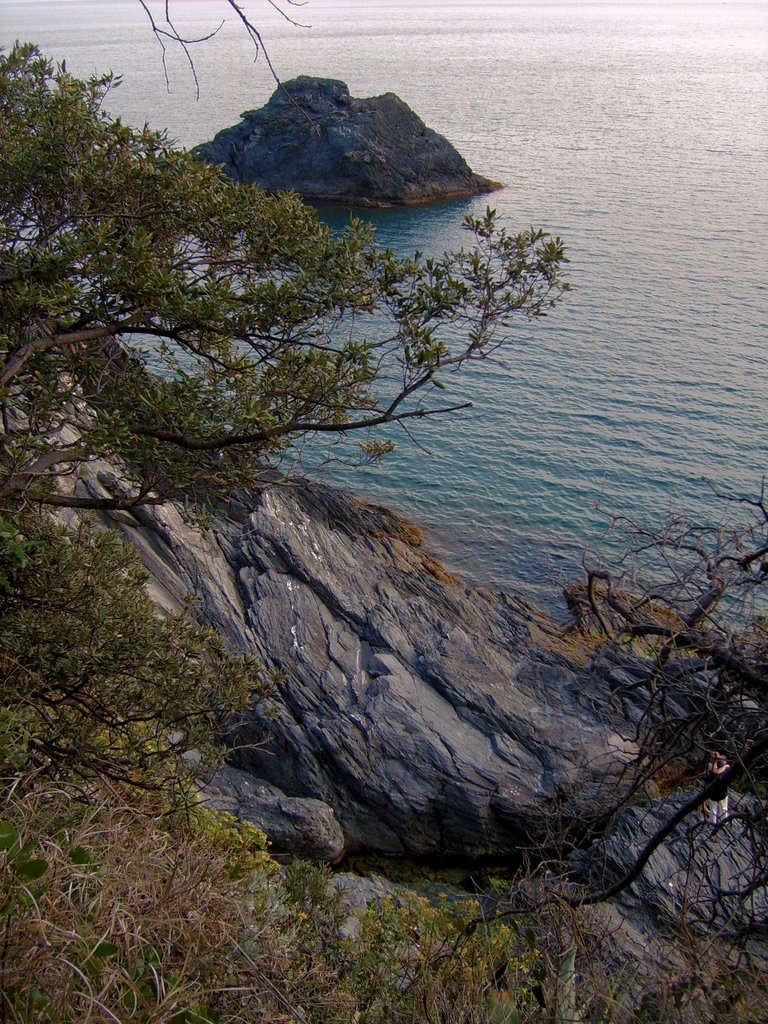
(639, 133)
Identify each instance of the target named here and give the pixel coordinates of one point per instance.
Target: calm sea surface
(638, 132)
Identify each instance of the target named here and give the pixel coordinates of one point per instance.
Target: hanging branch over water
(685, 606)
(167, 33)
(264, 327)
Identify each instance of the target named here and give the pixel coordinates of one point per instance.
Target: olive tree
(155, 314)
(262, 327)
(94, 684)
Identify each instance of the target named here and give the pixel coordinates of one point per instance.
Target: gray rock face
(313, 138)
(421, 712)
(711, 878)
(299, 827)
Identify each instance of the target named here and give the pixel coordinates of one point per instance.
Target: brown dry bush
(131, 917)
(113, 910)
(600, 967)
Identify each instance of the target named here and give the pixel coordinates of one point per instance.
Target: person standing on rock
(718, 798)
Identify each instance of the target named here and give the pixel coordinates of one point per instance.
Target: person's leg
(713, 812)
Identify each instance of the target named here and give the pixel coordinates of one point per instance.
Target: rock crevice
(423, 714)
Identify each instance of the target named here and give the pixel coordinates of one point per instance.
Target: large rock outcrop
(313, 138)
(424, 715)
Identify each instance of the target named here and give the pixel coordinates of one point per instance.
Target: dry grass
(140, 917)
(134, 918)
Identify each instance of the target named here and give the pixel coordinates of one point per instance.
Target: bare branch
(199, 444)
(171, 35)
(755, 752)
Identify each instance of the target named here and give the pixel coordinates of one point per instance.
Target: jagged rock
(423, 713)
(711, 879)
(300, 827)
(313, 138)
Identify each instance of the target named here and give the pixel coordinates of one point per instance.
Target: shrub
(96, 685)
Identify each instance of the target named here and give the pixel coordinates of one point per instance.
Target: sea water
(636, 131)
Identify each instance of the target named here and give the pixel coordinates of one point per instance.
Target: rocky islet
(314, 138)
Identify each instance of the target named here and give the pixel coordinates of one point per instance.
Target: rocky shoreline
(421, 718)
(418, 716)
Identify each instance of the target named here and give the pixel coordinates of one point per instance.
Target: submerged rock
(426, 715)
(315, 139)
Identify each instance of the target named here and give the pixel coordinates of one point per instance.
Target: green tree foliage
(94, 684)
(156, 314)
(264, 327)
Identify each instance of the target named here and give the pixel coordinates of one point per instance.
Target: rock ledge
(417, 716)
